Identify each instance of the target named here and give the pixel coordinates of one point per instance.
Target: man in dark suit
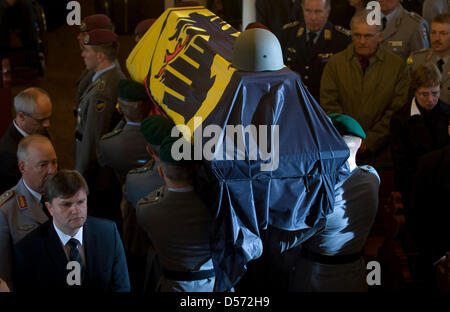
(33, 111)
(71, 251)
(309, 44)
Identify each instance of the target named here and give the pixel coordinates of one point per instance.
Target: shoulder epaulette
(6, 196)
(290, 25)
(416, 17)
(153, 197)
(148, 165)
(111, 134)
(342, 30)
(419, 51)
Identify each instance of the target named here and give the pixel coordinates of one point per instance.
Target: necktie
(384, 22)
(74, 254)
(440, 64)
(312, 36)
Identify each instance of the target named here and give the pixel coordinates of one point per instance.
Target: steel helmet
(256, 50)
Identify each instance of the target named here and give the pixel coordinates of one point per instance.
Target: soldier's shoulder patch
(100, 106)
(100, 85)
(290, 25)
(111, 134)
(148, 166)
(153, 198)
(6, 196)
(342, 30)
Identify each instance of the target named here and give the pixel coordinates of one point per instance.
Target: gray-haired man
(33, 111)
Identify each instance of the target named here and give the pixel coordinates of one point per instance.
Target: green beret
(165, 152)
(131, 91)
(346, 125)
(155, 128)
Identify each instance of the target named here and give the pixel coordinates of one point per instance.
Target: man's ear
(21, 165)
(49, 208)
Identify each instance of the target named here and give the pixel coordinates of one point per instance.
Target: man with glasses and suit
(33, 111)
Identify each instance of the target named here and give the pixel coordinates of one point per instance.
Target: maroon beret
(256, 25)
(143, 26)
(96, 21)
(99, 37)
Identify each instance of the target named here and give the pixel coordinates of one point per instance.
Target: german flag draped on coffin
(281, 169)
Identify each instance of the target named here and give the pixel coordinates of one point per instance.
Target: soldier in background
(91, 22)
(438, 54)
(404, 31)
(308, 45)
(124, 149)
(142, 28)
(96, 116)
(143, 264)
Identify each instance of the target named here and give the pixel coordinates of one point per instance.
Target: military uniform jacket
(82, 83)
(20, 213)
(427, 55)
(370, 98)
(180, 228)
(308, 60)
(139, 183)
(405, 32)
(123, 150)
(95, 117)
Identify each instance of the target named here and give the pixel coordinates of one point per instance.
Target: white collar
(186, 189)
(97, 74)
(132, 123)
(65, 238)
(20, 130)
(414, 109)
(34, 193)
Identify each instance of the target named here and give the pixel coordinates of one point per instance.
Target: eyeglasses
(39, 121)
(434, 94)
(366, 36)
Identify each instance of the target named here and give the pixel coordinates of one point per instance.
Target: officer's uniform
(309, 60)
(145, 270)
(123, 150)
(427, 55)
(96, 112)
(20, 213)
(405, 32)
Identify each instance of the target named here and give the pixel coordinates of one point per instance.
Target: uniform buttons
(306, 67)
(306, 77)
(289, 59)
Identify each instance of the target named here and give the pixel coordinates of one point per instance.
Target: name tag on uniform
(395, 43)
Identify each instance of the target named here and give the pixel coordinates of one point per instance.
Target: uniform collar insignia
(300, 31)
(327, 34)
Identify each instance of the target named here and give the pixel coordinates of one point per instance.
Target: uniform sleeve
(420, 37)
(120, 281)
(378, 135)
(6, 257)
(329, 89)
